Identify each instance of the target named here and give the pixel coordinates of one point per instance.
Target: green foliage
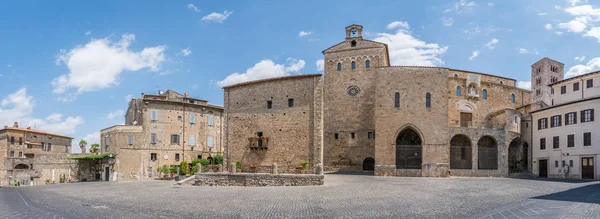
(165, 169)
(185, 168)
(173, 169)
(203, 162)
(82, 143)
(194, 169)
(93, 156)
(238, 164)
(304, 164)
(218, 159)
(94, 148)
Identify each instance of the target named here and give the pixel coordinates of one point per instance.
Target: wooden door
(543, 168)
(587, 168)
(465, 119)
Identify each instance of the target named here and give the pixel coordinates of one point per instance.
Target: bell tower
(545, 72)
(349, 100)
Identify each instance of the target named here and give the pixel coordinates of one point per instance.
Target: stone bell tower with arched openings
(349, 100)
(545, 72)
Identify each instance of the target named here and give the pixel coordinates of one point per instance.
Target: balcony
(258, 143)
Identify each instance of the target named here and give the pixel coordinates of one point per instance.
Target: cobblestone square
(342, 196)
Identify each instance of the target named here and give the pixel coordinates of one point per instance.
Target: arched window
(458, 91)
(512, 98)
(353, 43)
(368, 63)
(455, 75)
(397, 100)
(428, 100)
(353, 64)
(339, 66)
(484, 94)
(501, 83)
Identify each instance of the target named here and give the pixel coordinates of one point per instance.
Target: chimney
(186, 94)
(16, 125)
(159, 92)
(28, 127)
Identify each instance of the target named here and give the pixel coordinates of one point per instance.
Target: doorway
(106, 173)
(466, 119)
(543, 167)
(369, 164)
(587, 168)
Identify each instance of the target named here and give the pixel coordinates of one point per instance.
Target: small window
(12, 154)
(211, 120)
(269, 104)
(501, 83)
(587, 139)
(352, 135)
(177, 157)
(555, 142)
(44, 146)
(397, 100)
(50, 147)
(20, 154)
(29, 146)
(563, 163)
(563, 90)
(587, 115)
(130, 140)
(512, 98)
(370, 135)
(571, 118)
(570, 163)
(458, 91)
(556, 163)
(209, 141)
(516, 119)
(556, 121)
(589, 83)
(20, 141)
(336, 136)
(551, 90)
(152, 156)
(353, 64)
(576, 86)
(290, 102)
(106, 139)
(353, 43)
(12, 140)
(484, 94)
(339, 67)
(542, 143)
(179, 118)
(192, 118)
(174, 139)
(153, 115)
(570, 141)
(192, 140)
(368, 64)
(153, 138)
(428, 100)
(455, 75)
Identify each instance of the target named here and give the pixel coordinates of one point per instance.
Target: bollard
(232, 167)
(318, 169)
(275, 170)
(198, 168)
(220, 168)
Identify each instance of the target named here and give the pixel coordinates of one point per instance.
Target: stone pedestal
(220, 168)
(232, 168)
(198, 168)
(318, 169)
(275, 171)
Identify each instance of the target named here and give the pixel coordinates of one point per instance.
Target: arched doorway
(487, 155)
(21, 166)
(408, 150)
(210, 160)
(460, 152)
(517, 156)
(369, 164)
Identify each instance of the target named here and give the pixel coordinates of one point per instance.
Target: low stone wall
(257, 179)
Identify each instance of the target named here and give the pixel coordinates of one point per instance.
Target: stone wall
(258, 179)
(290, 134)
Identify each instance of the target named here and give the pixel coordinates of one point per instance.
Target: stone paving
(342, 196)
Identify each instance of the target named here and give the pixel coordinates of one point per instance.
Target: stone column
(275, 171)
(198, 168)
(233, 167)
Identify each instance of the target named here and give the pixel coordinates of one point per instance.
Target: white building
(566, 138)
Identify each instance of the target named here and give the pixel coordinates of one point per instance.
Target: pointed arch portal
(409, 153)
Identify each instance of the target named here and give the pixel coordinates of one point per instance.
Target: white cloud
(474, 55)
(492, 43)
(304, 33)
(558, 33)
(594, 32)
(186, 51)
(405, 49)
(575, 2)
(461, 6)
(523, 50)
(398, 24)
(98, 64)
(217, 17)
(193, 7)
(580, 58)
(114, 114)
(548, 26)
(590, 66)
(18, 107)
(88, 33)
(576, 25)
(128, 97)
(491, 4)
(542, 14)
(524, 85)
(447, 21)
(93, 138)
(320, 65)
(264, 69)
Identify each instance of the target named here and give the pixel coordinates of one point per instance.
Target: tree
(82, 145)
(94, 148)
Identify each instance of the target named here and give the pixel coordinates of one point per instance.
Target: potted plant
(303, 165)
(238, 166)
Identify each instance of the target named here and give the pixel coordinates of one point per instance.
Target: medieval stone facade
(364, 114)
(162, 129)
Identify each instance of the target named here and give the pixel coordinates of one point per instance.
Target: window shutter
(153, 138)
(192, 118)
(210, 141)
(192, 140)
(592, 115)
(539, 124)
(559, 120)
(574, 117)
(211, 120)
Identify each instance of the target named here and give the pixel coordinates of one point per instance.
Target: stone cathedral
(363, 114)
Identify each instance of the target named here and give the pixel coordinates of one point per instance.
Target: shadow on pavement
(361, 173)
(550, 179)
(585, 194)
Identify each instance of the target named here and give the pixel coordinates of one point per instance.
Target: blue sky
(71, 66)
